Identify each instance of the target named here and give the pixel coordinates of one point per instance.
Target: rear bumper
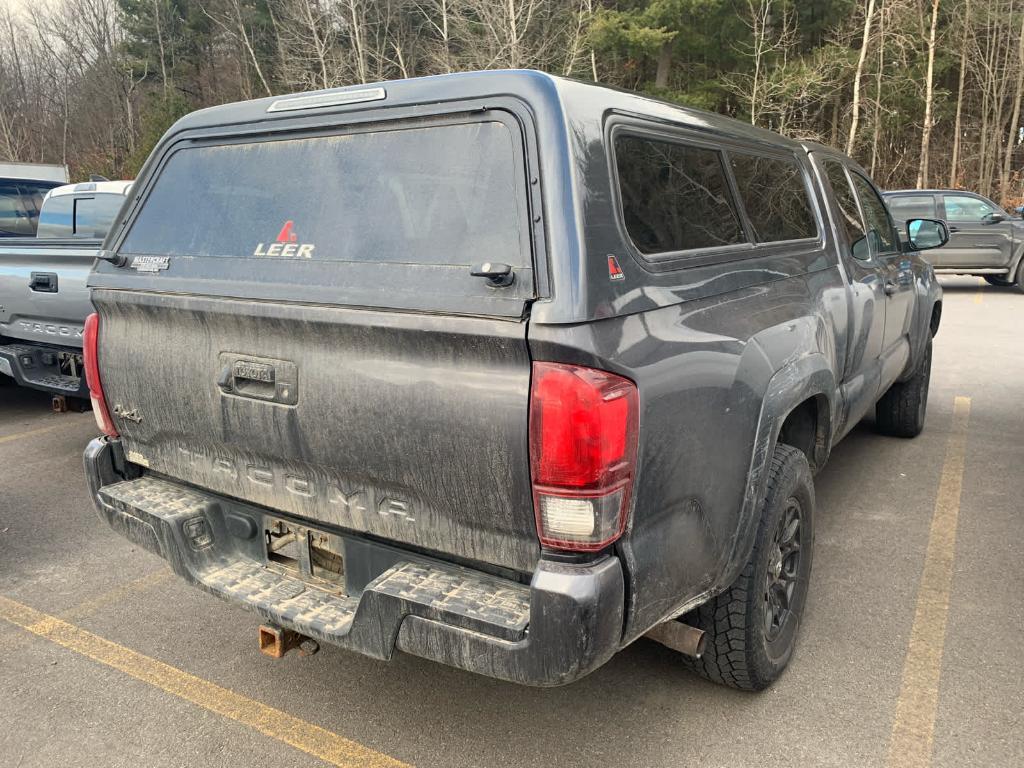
(37, 366)
(562, 626)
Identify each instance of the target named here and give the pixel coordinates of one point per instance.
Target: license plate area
(312, 555)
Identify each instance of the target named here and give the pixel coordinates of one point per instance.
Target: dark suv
(498, 369)
(984, 239)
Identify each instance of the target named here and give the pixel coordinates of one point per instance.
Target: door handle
(43, 282)
(953, 229)
(890, 287)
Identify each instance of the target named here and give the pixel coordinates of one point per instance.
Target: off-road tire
(998, 280)
(901, 411)
(739, 652)
(1019, 282)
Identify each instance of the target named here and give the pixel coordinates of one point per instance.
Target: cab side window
(849, 213)
(967, 210)
(905, 207)
(774, 196)
(881, 233)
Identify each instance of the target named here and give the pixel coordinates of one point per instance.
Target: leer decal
(286, 246)
(614, 270)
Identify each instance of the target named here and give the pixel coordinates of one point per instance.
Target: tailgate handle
(258, 378)
(237, 374)
(43, 282)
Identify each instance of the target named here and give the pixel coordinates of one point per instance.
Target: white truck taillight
(583, 438)
(90, 352)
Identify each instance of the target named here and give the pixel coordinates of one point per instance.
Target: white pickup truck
(43, 297)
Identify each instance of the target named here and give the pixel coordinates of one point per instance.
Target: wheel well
(936, 318)
(804, 430)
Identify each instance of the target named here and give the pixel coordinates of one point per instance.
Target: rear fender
(802, 379)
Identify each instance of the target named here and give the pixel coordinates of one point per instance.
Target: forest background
(921, 92)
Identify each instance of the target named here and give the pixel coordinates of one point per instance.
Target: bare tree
(926, 128)
(954, 170)
(869, 15)
(1013, 137)
(771, 44)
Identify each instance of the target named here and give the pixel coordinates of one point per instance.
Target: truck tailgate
(50, 307)
(412, 428)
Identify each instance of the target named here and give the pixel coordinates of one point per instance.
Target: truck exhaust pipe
(673, 634)
(276, 641)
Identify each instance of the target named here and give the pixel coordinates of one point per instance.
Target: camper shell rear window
(434, 195)
(388, 214)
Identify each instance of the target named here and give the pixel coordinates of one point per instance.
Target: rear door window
(905, 207)
(775, 197)
(675, 197)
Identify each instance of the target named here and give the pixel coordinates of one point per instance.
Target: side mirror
(925, 234)
(994, 218)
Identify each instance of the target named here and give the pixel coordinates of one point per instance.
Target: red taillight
(90, 351)
(583, 434)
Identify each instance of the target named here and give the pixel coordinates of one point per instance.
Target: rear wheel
(901, 411)
(1020, 277)
(752, 626)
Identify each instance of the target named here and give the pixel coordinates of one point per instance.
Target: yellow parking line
(309, 738)
(29, 433)
(140, 584)
(913, 725)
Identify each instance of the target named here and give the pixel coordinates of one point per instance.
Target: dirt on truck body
(498, 369)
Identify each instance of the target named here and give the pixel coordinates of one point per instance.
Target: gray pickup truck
(498, 369)
(43, 296)
(984, 240)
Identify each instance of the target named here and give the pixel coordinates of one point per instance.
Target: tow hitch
(275, 642)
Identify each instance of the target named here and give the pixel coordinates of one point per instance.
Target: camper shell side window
(686, 201)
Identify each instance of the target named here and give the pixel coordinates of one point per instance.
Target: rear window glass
(775, 197)
(674, 197)
(95, 214)
(57, 218)
(905, 207)
(79, 215)
(432, 195)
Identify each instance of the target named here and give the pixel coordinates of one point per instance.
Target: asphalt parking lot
(911, 652)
